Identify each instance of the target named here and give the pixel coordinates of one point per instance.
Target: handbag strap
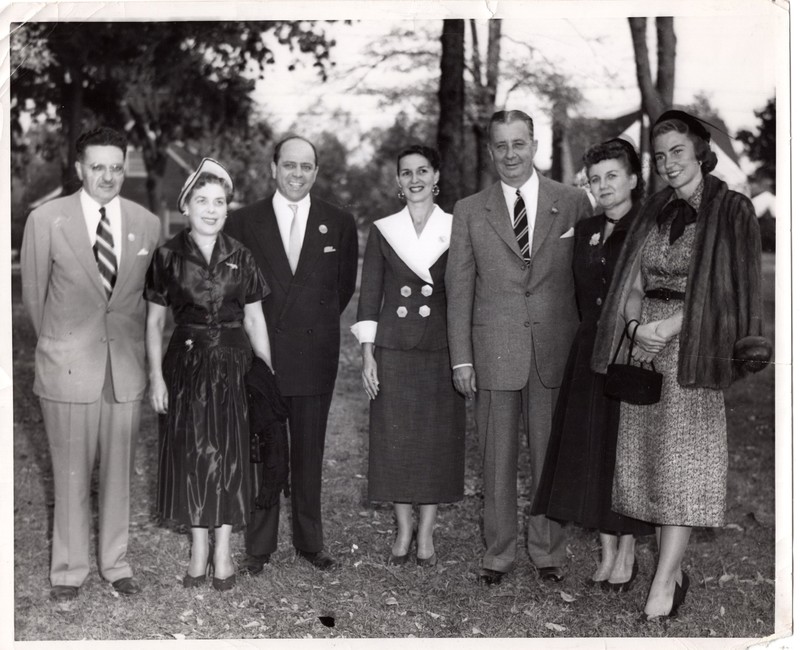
(630, 347)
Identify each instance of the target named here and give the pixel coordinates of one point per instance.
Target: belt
(664, 294)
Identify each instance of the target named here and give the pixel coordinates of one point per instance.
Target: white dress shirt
(530, 194)
(91, 213)
(284, 215)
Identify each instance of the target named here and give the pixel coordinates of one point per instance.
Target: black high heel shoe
(680, 594)
(223, 584)
(678, 598)
(619, 587)
(399, 560)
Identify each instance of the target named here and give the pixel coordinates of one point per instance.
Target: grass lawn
(731, 568)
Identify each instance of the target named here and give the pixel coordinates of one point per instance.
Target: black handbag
(631, 383)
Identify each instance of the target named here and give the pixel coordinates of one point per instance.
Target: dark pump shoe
(321, 560)
(551, 573)
(427, 562)
(252, 565)
(490, 577)
(621, 587)
(63, 593)
(126, 586)
(398, 560)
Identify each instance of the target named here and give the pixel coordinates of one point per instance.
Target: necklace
(614, 221)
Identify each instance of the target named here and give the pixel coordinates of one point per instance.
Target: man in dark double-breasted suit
(511, 317)
(307, 250)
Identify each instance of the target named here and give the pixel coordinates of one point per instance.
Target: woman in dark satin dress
(579, 468)
(214, 289)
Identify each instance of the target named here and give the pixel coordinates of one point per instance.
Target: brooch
(595, 240)
(323, 228)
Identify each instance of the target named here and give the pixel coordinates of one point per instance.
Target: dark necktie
(104, 253)
(684, 215)
(521, 227)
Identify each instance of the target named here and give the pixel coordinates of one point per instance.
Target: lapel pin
(323, 228)
(554, 210)
(131, 236)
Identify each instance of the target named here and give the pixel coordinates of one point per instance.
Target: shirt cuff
(365, 330)
(462, 365)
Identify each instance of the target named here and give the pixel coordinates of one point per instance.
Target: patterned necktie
(295, 237)
(104, 253)
(521, 227)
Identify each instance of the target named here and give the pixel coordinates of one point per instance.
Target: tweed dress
(672, 457)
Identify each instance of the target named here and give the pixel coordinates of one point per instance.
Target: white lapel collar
(418, 253)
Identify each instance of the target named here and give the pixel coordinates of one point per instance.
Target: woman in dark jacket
(688, 289)
(579, 468)
(417, 419)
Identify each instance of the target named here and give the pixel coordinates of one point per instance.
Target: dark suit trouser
(76, 434)
(497, 415)
(308, 419)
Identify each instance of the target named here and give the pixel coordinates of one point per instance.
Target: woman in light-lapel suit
(416, 437)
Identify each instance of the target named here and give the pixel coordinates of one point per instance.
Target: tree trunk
(450, 135)
(72, 119)
(489, 99)
(667, 41)
(655, 97)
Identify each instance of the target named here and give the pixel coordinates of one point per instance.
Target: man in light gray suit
(83, 263)
(511, 317)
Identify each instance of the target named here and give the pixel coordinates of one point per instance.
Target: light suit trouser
(497, 415)
(77, 433)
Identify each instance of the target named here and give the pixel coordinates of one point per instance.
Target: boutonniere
(232, 265)
(595, 240)
(189, 344)
(323, 228)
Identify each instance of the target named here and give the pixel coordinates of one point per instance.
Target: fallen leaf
(363, 513)
(180, 637)
(735, 527)
(434, 615)
(199, 621)
(555, 627)
(476, 630)
(391, 601)
(188, 612)
(722, 610)
(567, 598)
(251, 624)
(419, 625)
(357, 563)
(725, 577)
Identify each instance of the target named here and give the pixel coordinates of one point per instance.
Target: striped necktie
(104, 253)
(521, 227)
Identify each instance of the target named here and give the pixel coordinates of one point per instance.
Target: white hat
(209, 166)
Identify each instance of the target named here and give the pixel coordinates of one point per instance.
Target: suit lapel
(546, 210)
(128, 249)
(78, 239)
(264, 230)
(500, 220)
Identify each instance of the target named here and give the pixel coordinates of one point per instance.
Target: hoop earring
(401, 195)
(435, 191)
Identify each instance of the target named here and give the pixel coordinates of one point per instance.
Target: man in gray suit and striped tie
(511, 317)
(83, 263)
